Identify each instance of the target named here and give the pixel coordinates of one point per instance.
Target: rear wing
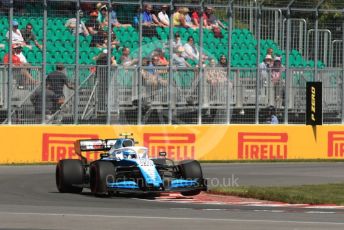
(100, 145)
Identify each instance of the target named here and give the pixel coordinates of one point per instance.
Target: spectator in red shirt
(195, 19)
(21, 74)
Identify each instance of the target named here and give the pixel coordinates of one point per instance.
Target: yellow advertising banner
(44, 144)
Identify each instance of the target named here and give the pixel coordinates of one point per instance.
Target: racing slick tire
(191, 170)
(100, 173)
(70, 175)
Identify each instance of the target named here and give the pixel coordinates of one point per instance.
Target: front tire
(191, 170)
(70, 175)
(100, 173)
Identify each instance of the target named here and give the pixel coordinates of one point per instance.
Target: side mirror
(162, 154)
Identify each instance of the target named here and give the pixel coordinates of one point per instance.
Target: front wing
(176, 185)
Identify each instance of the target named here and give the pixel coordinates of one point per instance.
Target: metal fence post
(343, 73)
(139, 90)
(44, 58)
(229, 92)
(170, 68)
(316, 45)
(76, 80)
(200, 66)
(10, 67)
(259, 23)
(109, 53)
(287, 77)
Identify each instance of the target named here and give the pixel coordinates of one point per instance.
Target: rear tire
(191, 170)
(100, 173)
(69, 174)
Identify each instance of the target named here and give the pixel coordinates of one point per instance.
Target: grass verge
(303, 194)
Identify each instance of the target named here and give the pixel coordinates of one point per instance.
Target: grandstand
(126, 97)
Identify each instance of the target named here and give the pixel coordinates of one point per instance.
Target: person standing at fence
(93, 27)
(277, 81)
(51, 102)
(29, 36)
(21, 74)
(125, 59)
(264, 70)
(57, 80)
(71, 25)
(103, 17)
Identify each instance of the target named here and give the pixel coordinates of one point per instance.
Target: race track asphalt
(29, 200)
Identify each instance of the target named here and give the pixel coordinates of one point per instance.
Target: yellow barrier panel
(40, 144)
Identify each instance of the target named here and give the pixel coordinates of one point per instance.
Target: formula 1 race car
(125, 168)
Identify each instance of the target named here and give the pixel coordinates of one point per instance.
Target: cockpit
(129, 153)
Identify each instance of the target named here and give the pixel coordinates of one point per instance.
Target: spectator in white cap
(264, 69)
(178, 59)
(17, 37)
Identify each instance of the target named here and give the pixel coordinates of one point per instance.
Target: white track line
(167, 218)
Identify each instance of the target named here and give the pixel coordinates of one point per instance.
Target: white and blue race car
(125, 168)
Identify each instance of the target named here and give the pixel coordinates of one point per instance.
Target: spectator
(223, 61)
(264, 69)
(98, 40)
(212, 20)
(163, 16)
(102, 76)
(188, 21)
(195, 16)
(215, 76)
(149, 79)
(278, 84)
(147, 18)
(160, 54)
(179, 18)
(126, 60)
(22, 75)
(57, 80)
(52, 102)
(103, 17)
(272, 119)
(18, 52)
(270, 51)
(113, 18)
(114, 42)
(17, 36)
(101, 59)
(191, 51)
(92, 25)
(213, 23)
(177, 41)
(148, 25)
(178, 60)
(29, 36)
(71, 25)
(155, 18)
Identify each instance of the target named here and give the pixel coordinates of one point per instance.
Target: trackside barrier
(44, 144)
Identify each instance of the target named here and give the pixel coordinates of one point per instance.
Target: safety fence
(147, 95)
